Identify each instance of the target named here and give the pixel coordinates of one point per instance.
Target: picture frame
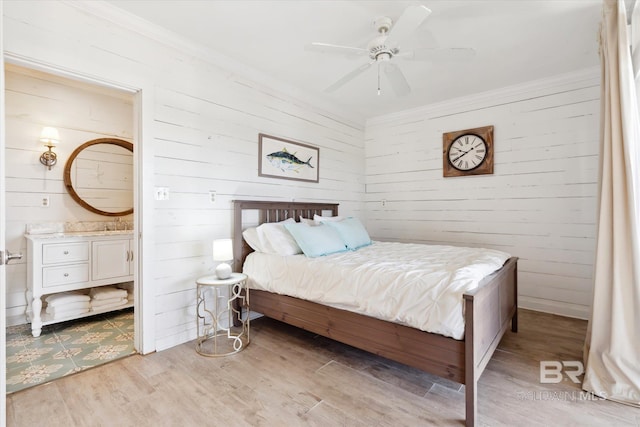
(286, 159)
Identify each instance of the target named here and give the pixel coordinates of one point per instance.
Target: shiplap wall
(199, 126)
(208, 143)
(540, 203)
(81, 113)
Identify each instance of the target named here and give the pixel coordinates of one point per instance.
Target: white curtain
(612, 348)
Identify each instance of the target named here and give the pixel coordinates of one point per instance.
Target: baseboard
(176, 339)
(15, 320)
(555, 307)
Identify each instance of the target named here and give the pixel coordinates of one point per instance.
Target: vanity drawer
(55, 253)
(65, 275)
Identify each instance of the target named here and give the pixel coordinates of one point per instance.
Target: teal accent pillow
(316, 241)
(352, 232)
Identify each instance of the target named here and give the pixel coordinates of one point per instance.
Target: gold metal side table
(217, 313)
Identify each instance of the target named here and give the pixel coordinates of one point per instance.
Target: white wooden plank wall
(202, 136)
(80, 113)
(539, 205)
(209, 143)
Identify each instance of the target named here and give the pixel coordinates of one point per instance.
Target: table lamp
(223, 252)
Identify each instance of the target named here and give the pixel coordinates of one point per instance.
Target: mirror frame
(67, 174)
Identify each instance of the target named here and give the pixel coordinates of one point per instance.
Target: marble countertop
(59, 230)
(80, 234)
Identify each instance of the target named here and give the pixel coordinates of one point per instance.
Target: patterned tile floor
(66, 348)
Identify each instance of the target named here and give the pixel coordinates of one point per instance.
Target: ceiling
(515, 41)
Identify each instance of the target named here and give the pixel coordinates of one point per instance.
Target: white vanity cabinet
(73, 261)
(111, 259)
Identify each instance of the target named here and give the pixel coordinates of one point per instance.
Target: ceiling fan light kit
(383, 48)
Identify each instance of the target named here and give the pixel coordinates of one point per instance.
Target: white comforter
(412, 284)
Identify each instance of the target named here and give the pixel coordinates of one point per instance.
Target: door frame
(142, 312)
(3, 221)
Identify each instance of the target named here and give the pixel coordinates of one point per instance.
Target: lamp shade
(222, 250)
(49, 136)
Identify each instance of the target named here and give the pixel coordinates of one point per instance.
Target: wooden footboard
(489, 310)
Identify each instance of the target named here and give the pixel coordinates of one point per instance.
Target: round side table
(222, 329)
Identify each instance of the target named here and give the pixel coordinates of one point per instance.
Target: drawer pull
(66, 252)
(66, 274)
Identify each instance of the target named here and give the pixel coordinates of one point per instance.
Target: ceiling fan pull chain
(378, 79)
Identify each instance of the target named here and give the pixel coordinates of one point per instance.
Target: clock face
(467, 152)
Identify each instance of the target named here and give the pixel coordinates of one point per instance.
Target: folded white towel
(99, 303)
(106, 292)
(62, 314)
(80, 305)
(123, 301)
(109, 301)
(66, 298)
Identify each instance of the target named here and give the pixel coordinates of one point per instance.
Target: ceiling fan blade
(396, 79)
(361, 69)
(410, 20)
(444, 54)
(334, 48)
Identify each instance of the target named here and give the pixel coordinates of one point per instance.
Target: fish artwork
(286, 161)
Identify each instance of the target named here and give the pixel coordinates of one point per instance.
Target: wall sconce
(50, 138)
(223, 251)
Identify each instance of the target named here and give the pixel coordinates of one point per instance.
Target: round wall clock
(468, 152)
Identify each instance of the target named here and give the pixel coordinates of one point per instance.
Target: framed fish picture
(282, 158)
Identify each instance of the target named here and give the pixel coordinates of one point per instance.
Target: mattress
(417, 285)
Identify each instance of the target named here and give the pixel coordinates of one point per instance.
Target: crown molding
(131, 22)
(587, 77)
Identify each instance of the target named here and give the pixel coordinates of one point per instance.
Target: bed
(489, 310)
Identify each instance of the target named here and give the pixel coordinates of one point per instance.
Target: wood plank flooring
(289, 377)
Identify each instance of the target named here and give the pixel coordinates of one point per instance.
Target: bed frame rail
(396, 342)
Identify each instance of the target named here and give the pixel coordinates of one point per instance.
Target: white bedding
(412, 284)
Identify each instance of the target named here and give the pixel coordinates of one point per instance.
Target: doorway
(36, 195)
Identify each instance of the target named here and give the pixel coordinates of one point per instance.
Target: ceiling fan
(385, 47)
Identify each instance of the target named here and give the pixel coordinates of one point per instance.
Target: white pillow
(307, 221)
(320, 219)
(251, 237)
(275, 239)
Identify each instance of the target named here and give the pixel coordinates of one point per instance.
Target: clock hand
(462, 155)
(466, 152)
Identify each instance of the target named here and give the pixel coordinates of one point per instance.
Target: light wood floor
(288, 377)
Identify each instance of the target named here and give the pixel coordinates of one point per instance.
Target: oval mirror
(99, 176)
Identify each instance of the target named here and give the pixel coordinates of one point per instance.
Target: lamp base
(223, 271)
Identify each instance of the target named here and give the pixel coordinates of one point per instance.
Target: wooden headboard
(270, 212)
